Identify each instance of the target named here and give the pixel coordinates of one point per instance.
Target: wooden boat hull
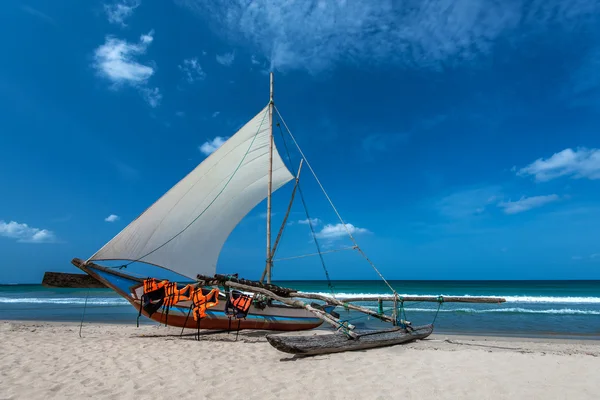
(273, 317)
(338, 342)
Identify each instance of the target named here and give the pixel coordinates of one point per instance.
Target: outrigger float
(185, 229)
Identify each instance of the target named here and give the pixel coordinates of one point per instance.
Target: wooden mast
(269, 258)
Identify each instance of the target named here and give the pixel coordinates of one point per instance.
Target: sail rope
(310, 224)
(332, 206)
(315, 254)
(210, 204)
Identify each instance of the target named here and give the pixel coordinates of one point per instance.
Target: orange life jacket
(174, 295)
(152, 284)
(203, 301)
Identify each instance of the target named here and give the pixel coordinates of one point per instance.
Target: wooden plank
(435, 299)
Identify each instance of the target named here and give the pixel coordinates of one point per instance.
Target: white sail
(186, 228)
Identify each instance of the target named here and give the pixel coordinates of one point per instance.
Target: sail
(186, 228)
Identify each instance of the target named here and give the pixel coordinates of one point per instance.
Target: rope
(211, 203)
(84, 308)
(315, 254)
(331, 203)
(312, 229)
(440, 301)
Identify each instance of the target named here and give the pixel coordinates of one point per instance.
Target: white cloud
(152, 96)
(527, 203)
(216, 114)
(180, 114)
(25, 234)
(337, 231)
(115, 60)
(192, 70)
(467, 203)
(313, 221)
(117, 13)
(579, 163)
(112, 218)
(226, 59)
(315, 34)
(254, 60)
(211, 146)
(39, 14)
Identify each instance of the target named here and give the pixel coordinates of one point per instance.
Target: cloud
(436, 34)
(39, 14)
(211, 146)
(125, 170)
(337, 231)
(180, 114)
(591, 257)
(467, 203)
(216, 114)
(579, 163)
(117, 13)
(26, 234)
(226, 59)
(527, 203)
(192, 70)
(254, 60)
(381, 143)
(313, 222)
(112, 218)
(115, 60)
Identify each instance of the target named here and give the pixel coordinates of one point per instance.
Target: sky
(457, 139)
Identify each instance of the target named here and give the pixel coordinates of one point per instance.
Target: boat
(184, 232)
(185, 229)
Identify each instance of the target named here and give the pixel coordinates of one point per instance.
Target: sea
(559, 309)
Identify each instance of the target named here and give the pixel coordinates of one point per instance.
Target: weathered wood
(335, 343)
(68, 280)
(219, 279)
(332, 300)
(296, 303)
(435, 299)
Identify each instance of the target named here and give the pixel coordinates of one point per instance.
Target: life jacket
(174, 295)
(238, 304)
(153, 297)
(202, 299)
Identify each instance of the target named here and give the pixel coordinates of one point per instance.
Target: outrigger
(185, 229)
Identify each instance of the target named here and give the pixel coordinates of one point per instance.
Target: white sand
(45, 360)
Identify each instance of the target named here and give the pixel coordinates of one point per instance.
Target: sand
(50, 360)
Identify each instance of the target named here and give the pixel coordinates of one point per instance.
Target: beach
(120, 361)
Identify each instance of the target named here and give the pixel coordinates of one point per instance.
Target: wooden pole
(270, 190)
(332, 300)
(330, 319)
(435, 299)
(287, 214)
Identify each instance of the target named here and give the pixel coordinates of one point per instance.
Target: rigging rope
(211, 203)
(312, 229)
(332, 206)
(84, 308)
(315, 254)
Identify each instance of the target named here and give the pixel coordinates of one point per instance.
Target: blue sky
(460, 139)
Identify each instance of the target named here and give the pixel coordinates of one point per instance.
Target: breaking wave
(66, 300)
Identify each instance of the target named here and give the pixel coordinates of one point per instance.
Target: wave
(65, 300)
(509, 299)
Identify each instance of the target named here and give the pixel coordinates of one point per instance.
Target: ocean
(561, 309)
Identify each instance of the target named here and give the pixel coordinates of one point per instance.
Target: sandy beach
(50, 360)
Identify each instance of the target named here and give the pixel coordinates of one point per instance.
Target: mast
(269, 259)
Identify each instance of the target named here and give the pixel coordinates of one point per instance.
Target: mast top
(271, 91)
